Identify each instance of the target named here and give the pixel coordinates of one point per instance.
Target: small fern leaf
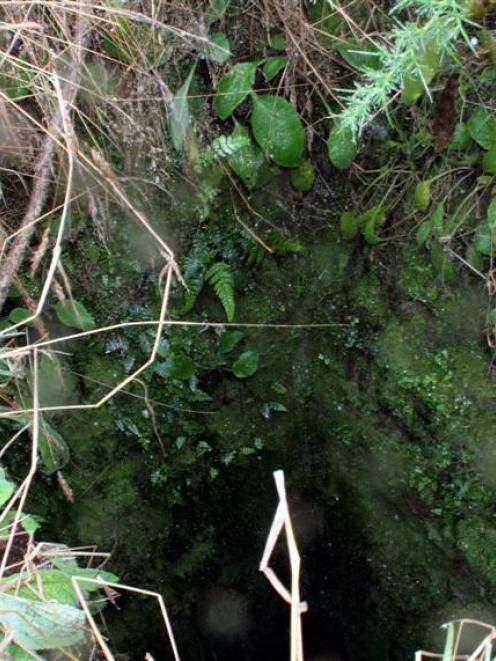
(219, 276)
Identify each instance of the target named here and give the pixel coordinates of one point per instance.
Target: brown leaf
(445, 119)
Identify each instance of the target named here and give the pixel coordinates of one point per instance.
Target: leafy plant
(278, 130)
(233, 88)
(74, 315)
(179, 117)
(275, 122)
(342, 146)
(219, 276)
(246, 365)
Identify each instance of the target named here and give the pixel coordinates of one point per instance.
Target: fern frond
(226, 145)
(219, 276)
(281, 245)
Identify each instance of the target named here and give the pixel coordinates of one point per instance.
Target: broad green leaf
(56, 586)
(41, 625)
(413, 88)
(303, 177)
(278, 41)
(341, 146)
(16, 653)
(219, 48)
(6, 487)
(423, 231)
(74, 315)
(437, 220)
(485, 237)
(491, 213)
(423, 195)
(247, 160)
(483, 240)
(19, 314)
(29, 524)
(229, 340)
(482, 127)
(233, 88)
(179, 366)
(426, 66)
(372, 220)
(489, 161)
(216, 10)
(54, 451)
(273, 66)
(349, 225)
(69, 570)
(461, 137)
(361, 56)
(246, 365)
(278, 130)
(178, 119)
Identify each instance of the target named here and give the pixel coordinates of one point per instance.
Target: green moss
(416, 276)
(477, 539)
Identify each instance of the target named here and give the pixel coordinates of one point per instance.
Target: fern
(219, 276)
(281, 245)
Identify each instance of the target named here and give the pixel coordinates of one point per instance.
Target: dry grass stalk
(76, 580)
(282, 520)
(59, 123)
(482, 652)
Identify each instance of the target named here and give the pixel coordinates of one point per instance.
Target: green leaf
(485, 237)
(6, 487)
(278, 41)
(482, 127)
(215, 11)
(278, 130)
(41, 625)
(273, 66)
(341, 146)
(361, 56)
(29, 524)
(179, 366)
(18, 654)
(246, 365)
(483, 241)
(423, 195)
(247, 160)
(219, 48)
(85, 572)
(233, 88)
(56, 587)
(178, 118)
(219, 276)
(491, 214)
(74, 315)
(489, 161)
(54, 451)
(18, 315)
(372, 220)
(229, 340)
(303, 177)
(461, 137)
(349, 225)
(423, 232)
(427, 62)
(437, 220)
